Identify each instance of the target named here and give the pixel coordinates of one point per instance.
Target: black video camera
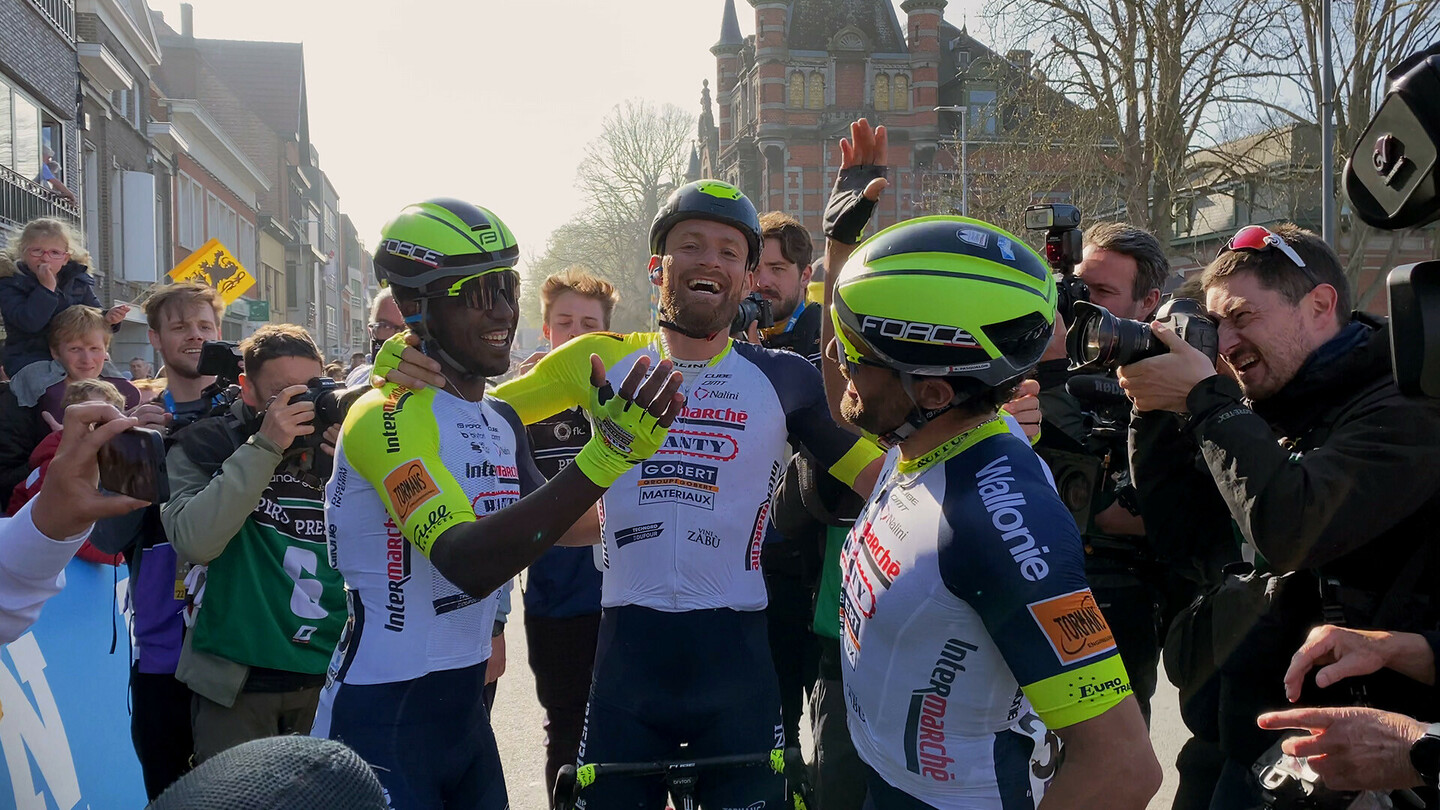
(222, 360)
(1100, 341)
(754, 308)
(1064, 246)
(1394, 187)
(329, 407)
(1289, 783)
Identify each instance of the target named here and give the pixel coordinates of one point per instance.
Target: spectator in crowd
(271, 608)
(76, 392)
(181, 318)
(562, 588)
(42, 272)
(1325, 470)
(336, 372)
(49, 177)
(37, 543)
(385, 321)
(80, 344)
(141, 369)
(357, 360)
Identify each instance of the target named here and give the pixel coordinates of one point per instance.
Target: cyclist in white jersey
(972, 648)
(683, 656)
(415, 472)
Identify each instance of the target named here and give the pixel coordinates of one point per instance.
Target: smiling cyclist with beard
(415, 471)
(683, 656)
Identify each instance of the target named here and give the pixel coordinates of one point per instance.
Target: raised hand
(859, 184)
(628, 426)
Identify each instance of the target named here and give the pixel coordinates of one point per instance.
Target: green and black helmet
(442, 238)
(946, 297)
(713, 200)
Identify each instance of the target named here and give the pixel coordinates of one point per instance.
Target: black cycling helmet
(442, 238)
(713, 200)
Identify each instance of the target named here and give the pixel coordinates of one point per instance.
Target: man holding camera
(1124, 268)
(248, 506)
(1324, 468)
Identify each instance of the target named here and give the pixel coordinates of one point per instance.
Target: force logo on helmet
(407, 250)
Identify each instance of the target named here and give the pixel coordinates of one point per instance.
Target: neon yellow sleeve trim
(855, 460)
(1080, 694)
(561, 380)
(392, 440)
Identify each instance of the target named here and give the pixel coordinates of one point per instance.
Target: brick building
(38, 74)
(787, 94)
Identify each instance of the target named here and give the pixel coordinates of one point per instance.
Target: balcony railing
(61, 13)
(22, 200)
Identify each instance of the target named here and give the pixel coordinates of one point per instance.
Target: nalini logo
(718, 393)
(410, 487)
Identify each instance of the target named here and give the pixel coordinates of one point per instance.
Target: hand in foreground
(859, 184)
(400, 361)
(284, 420)
(495, 667)
(1025, 407)
(116, 314)
(1163, 383)
(152, 415)
(70, 500)
(1352, 748)
(630, 426)
(1342, 652)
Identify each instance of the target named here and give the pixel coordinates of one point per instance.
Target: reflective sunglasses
(485, 289)
(836, 351)
(1258, 239)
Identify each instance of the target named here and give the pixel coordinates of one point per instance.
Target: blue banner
(65, 731)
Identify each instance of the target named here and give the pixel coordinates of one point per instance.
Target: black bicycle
(683, 775)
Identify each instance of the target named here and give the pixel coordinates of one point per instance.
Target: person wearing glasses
(1324, 470)
(385, 322)
(42, 273)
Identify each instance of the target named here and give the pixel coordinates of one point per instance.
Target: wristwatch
(1425, 755)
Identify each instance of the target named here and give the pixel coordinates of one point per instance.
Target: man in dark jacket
(1326, 472)
(44, 273)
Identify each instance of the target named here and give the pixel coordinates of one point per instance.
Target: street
(517, 727)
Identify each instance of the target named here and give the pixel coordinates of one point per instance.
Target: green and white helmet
(442, 238)
(947, 297)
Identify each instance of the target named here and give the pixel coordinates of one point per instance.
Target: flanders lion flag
(213, 265)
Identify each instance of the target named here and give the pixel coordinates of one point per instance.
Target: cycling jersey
(683, 529)
(967, 627)
(409, 465)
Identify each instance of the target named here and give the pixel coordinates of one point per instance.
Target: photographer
(270, 607)
(1324, 468)
(1124, 268)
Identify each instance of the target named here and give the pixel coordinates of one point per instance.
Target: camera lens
(1101, 341)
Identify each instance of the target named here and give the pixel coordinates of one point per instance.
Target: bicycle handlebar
(571, 779)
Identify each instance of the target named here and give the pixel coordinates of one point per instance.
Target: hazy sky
(485, 100)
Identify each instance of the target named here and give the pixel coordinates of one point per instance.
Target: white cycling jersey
(683, 529)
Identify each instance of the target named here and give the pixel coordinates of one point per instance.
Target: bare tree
(628, 170)
(1155, 73)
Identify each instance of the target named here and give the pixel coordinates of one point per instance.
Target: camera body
(1100, 341)
(329, 407)
(222, 360)
(1064, 248)
(754, 308)
(1289, 783)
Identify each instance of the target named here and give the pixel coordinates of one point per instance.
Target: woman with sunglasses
(43, 272)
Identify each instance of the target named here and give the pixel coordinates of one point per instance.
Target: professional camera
(222, 360)
(1100, 341)
(754, 308)
(1064, 246)
(1289, 783)
(329, 407)
(1394, 187)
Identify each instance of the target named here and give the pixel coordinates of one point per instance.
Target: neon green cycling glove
(622, 435)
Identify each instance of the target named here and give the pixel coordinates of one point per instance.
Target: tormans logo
(918, 332)
(1074, 626)
(410, 486)
(394, 404)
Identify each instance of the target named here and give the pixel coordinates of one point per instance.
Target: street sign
(259, 311)
(214, 266)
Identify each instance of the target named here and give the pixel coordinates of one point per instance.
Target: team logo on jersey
(394, 404)
(634, 534)
(410, 487)
(699, 444)
(1003, 504)
(397, 575)
(504, 473)
(1073, 625)
(678, 482)
(925, 733)
(710, 390)
(725, 418)
(757, 531)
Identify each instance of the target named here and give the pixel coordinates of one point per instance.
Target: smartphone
(133, 463)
